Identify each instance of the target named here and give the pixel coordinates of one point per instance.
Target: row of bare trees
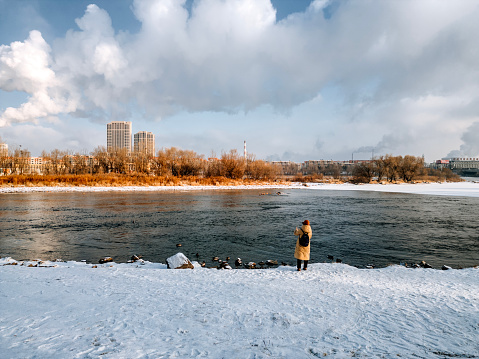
(179, 163)
(18, 161)
(168, 162)
(390, 168)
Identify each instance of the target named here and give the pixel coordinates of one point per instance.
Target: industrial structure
(463, 166)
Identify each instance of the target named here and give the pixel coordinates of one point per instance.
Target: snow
(177, 261)
(143, 310)
(469, 189)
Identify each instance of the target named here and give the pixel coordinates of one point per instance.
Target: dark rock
(238, 262)
(224, 265)
(423, 264)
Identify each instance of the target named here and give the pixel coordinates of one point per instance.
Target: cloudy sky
(296, 79)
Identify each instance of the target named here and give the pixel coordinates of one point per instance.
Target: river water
(360, 228)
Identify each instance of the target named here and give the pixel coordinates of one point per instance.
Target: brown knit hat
(306, 222)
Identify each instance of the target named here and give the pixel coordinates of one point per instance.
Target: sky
(297, 80)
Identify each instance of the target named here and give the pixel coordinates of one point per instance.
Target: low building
(36, 165)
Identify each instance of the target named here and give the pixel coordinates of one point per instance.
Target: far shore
(465, 189)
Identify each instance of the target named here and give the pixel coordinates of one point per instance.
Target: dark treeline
(385, 168)
(398, 168)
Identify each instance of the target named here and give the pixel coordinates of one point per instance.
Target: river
(360, 228)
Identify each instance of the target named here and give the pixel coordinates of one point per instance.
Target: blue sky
(297, 80)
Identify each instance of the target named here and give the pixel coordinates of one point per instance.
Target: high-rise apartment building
(3, 149)
(118, 135)
(144, 142)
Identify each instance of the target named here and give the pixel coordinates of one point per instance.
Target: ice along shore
(469, 189)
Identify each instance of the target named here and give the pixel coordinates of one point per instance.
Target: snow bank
(469, 189)
(22, 189)
(135, 310)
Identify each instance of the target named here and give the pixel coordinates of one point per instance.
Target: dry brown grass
(316, 178)
(118, 180)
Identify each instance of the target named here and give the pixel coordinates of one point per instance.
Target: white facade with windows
(144, 142)
(118, 136)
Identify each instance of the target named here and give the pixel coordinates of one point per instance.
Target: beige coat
(301, 252)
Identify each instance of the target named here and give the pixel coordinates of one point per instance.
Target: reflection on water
(358, 227)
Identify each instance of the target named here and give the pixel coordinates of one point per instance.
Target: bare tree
(101, 162)
(379, 168)
(176, 162)
(20, 161)
(410, 167)
(142, 160)
(119, 161)
(5, 161)
(233, 165)
(391, 165)
(80, 164)
(363, 172)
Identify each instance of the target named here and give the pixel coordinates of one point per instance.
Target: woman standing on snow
(303, 245)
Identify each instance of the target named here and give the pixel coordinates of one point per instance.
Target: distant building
(3, 149)
(118, 136)
(463, 166)
(144, 142)
(464, 163)
(36, 165)
(288, 167)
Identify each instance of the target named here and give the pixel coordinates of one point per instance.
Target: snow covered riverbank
(469, 189)
(146, 311)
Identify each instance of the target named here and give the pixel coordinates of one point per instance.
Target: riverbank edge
(201, 187)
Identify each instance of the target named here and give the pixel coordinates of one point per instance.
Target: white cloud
(25, 66)
(400, 67)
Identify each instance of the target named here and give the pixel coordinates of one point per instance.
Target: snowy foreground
(130, 310)
(469, 189)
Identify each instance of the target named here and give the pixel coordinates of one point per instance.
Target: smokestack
(245, 150)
